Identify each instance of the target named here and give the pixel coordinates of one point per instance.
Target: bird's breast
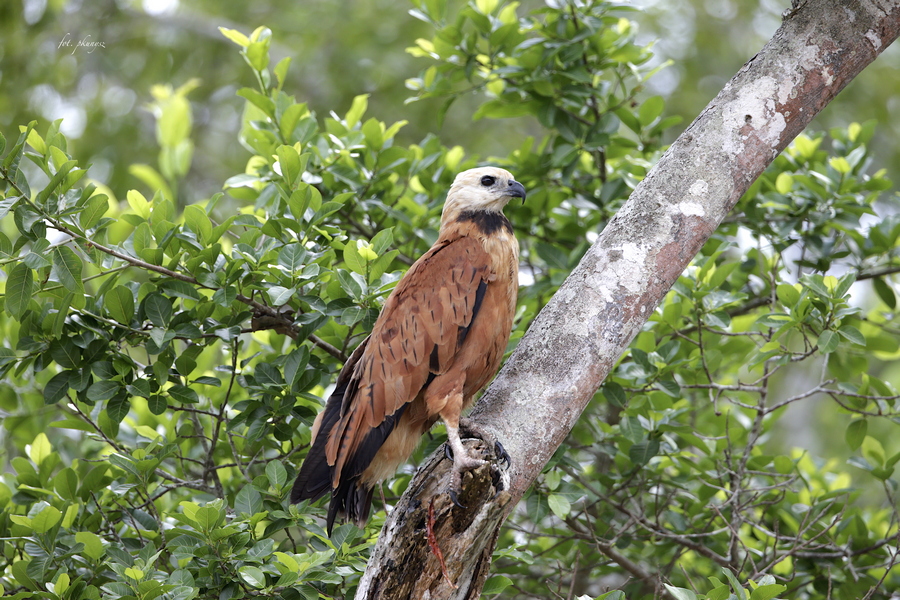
(503, 248)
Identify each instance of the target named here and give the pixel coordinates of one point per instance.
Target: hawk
(439, 339)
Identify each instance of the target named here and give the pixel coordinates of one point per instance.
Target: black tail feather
(351, 499)
(315, 475)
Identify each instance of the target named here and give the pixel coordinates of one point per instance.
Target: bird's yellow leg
(462, 460)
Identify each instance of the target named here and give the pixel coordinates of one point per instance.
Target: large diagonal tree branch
(575, 341)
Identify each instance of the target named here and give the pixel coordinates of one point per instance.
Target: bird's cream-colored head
(485, 189)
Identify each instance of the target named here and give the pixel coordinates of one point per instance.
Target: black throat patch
(488, 222)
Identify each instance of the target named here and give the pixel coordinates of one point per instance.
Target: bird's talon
(496, 481)
(501, 454)
(454, 498)
(448, 451)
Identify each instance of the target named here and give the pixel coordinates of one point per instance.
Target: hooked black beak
(516, 190)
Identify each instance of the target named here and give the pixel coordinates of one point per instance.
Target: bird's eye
(488, 181)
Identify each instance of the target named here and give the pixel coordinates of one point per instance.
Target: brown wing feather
(416, 337)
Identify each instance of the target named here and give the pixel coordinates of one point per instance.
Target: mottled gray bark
(574, 342)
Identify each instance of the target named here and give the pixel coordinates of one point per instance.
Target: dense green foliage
(163, 357)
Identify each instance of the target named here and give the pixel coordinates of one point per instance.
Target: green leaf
(40, 449)
(258, 53)
(225, 296)
(264, 103)
(280, 71)
(19, 288)
(206, 517)
(670, 387)
(499, 109)
(552, 479)
(141, 239)
(856, 433)
(680, 593)
(46, 519)
(559, 505)
(94, 209)
(885, 292)
(292, 257)
(248, 501)
(158, 309)
(183, 394)
(353, 286)
(117, 408)
(300, 200)
(828, 342)
(788, 294)
(73, 424)
(641, 452)
(37, 258)
(843, 285)
(784, 183)
(279, 295)
(141, 387)
(174, 124)
(138, 203)
(65, 353)
(614, 394)
(767, 592)
(736, 586)
(198, 222)
(289, 163)
(235, 36)
(839, 164)
(650, 110)
(353, 258)
(57, 182)
(383, 240)
(7, 205)
(816, 283)
(873, 451)
(357, 110)
(295, 364)
(268, 376)
(102, 390)
(56, 388)
(553, 256)
(93, 545)
(378, 266)
(773, 320)
(496, 584)
(66, 484)
(120, 304)
(157, 404)
(291, 116)
(67, 267)
(852, 334)
(27, 221)
(253, 576)
(373, 131)
(276, 473)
